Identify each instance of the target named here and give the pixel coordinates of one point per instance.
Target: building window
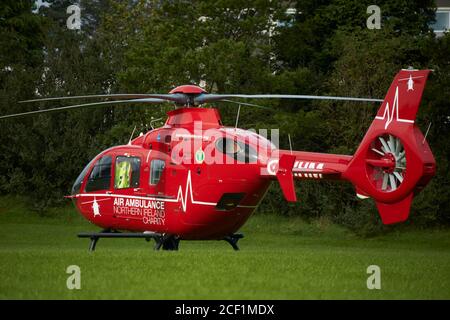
(127, 172)
(157, 168)
(100, 177)
(289, 19)
(442, 23)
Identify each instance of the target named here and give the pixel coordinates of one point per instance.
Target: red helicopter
(195, 179)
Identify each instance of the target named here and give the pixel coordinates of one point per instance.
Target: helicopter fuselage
(178, 180)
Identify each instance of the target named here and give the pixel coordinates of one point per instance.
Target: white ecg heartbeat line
(188, 192)
(389, 114)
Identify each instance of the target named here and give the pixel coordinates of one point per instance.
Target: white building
(442, 23)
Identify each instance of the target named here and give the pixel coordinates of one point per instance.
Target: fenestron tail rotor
(386, 163)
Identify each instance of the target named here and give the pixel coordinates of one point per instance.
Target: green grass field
(280, 258)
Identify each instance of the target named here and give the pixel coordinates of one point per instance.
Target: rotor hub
(188, 89)
(389, 158)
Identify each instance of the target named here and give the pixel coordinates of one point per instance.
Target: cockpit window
(100, 177)
(127, 172)
(77, 185)
(237, 149)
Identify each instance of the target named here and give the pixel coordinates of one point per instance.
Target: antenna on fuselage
(426, 133)
(237, 116)
(290, 143)
(132, 133)
(154, 120)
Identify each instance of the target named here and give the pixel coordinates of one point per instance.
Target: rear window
(239, 150)
(157, 168)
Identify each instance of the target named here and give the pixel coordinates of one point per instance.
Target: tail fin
(394, 161)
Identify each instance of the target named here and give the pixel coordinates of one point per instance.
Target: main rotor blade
(65, 108)
(206, 97)
(174, 97)
(246, 104)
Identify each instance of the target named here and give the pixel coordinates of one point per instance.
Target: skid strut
(233, 240)
(167, 242)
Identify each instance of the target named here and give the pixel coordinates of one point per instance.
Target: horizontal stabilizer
(286, 178)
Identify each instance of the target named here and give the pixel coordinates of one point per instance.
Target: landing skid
(108, 233)
(165, 241)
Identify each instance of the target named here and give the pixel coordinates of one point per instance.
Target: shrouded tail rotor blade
(78, 106)
(398, 146)
(392, 182)
(385, 181)
(384, 145)
(203, 98)
(173, 97)
(391, 144)
(398, 176)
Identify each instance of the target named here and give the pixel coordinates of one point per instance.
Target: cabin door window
(127, 172)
